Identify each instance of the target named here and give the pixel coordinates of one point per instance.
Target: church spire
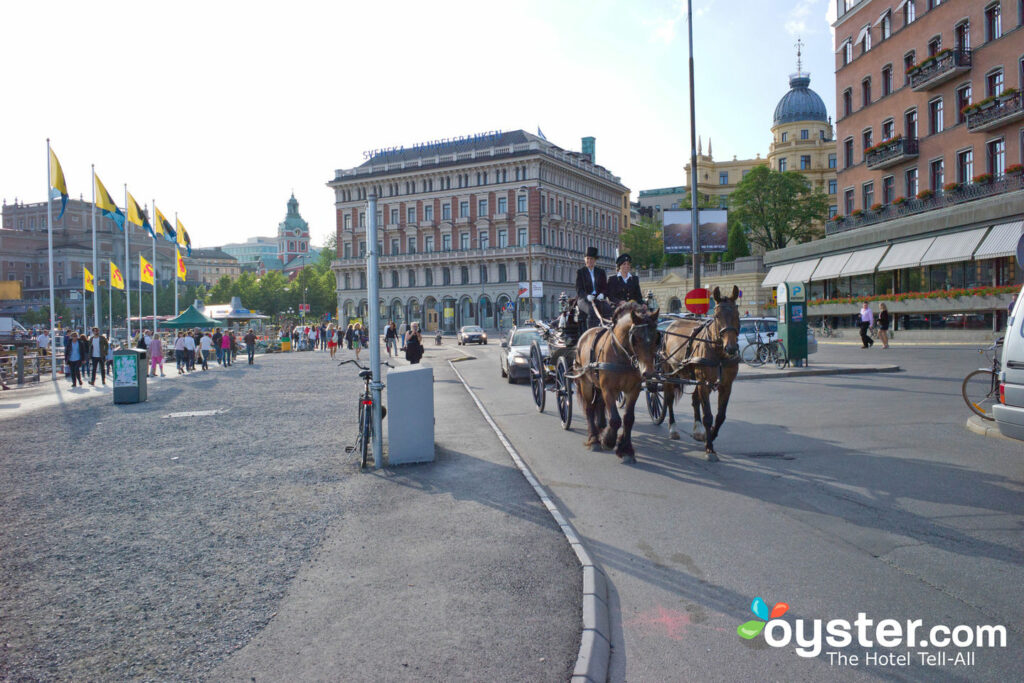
(710, 155)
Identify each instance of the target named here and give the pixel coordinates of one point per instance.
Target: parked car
(471, 333)
(1009, 411)
(748, 327)
(514, 359)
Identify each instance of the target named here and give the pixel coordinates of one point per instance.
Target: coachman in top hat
(591, 290)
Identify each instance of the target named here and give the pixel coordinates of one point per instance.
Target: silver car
(514, 359)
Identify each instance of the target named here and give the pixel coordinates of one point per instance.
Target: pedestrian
(215, 338)
(866, 320)
(225, 347)
(348, 336)
(391, 339)
(357, 338)
(883, 325)
(156, 355)
(250, 345)
(413, 344)
(190, 351)
(314, 338)
(110, 356)
(43, 343)
(205, 347)
(402, 330)
(323, 336)
(97, 353)
(179, 351)
(295, 339)
(234, 347)
(73, 356)
(332, 340)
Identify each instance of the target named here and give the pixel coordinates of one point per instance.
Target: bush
(937, 294)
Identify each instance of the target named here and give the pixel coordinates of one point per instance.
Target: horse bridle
(629, 353)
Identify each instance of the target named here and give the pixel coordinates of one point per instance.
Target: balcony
(943, 67)
(996, 113)
(891, 153)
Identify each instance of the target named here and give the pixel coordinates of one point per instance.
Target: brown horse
(610, 361)
(708, 352)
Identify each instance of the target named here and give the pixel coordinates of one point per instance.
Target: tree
(778, 207)
(737, 245)
(644, 243)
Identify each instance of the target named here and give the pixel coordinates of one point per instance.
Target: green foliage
(776, 208)
(737, 245)
(644, 243)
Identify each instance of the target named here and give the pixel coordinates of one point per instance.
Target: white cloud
(796, 21)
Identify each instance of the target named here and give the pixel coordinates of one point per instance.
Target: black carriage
(552, 372)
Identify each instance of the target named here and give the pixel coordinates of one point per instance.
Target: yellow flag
(146, 268)
(116, 279)
(87, 277)
(58, 186)
(181, 265)
(137, 216)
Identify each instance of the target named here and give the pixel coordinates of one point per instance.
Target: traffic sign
(697, 301)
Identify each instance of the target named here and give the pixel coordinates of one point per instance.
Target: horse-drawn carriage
(627, 354)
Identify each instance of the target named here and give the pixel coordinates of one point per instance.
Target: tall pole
(85, 314)
(49, 238)
(110, 307)
(175, 311)
(127, 270)
(372, 294)
(154, 270)
(95, 267)
(695, 232)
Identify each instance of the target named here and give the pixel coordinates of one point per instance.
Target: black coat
(583, 282)
(619, 291)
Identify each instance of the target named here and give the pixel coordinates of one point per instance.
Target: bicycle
(826, 330)
(365, 421)
(980, 388)
(758, 352)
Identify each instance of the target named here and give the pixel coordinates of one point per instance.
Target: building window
(485, 240)
(886, 29)
(348, 222)
(965, 166)
(410, 215)
(993, 22)
(347, 250)
(910, 124)
(723, 177)
(464, 275)
(521, 203)
(394, 278)
(411, 275)
(848, 201)
(910, 178)
(865, 92)
(463, 209)
(394, 246)
(502, 273)
(936, 175)
(446, 243)
(446, 276)
(428, 213)
(483, 274)
(805, 162)
(348, 281)
(963, 100)
(804, 134)
(888, 189)
(410, 245)
(994, 83)
(962, 36)
(362, 219)
(934, 45)
(782, 164)
(886, 80)
(502, 238)
(362, 250)
(831, 161)
(847, 152)
(464, 241)
(502, 204)
(888, 129)
(865, 138)
(865, 43)
(832, 186)
(521, 237)
(428, 244)
(291, 246)
(428, 277)
(997, 157)
(785, 136)
(394, 217)
(833, 211)
(908, 64)
(481, 207)
(446, 212)
(935, 116)
(847, 102)
(847, 52)
(867, 195)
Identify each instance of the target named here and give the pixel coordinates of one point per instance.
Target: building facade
(206, 266)
(930, 125)
(292, 234)
(248, 253)
(461, 224)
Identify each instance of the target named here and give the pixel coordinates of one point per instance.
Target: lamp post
(305, 290)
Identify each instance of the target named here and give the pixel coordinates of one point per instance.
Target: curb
(976, 425)
(595, 642)
(808, 372)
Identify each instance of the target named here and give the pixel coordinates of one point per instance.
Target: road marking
(194, 413)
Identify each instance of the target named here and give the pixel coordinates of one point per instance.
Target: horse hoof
(627, 460)
(674, 435)
(711, 456)
(698, 436)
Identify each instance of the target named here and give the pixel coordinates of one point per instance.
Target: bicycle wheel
(781, 357)
(365, 425)
(655, 402)
(750, 356)
(981, 390)
(764, 353)
(563, 388)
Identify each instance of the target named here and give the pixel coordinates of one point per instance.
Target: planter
(993, 302)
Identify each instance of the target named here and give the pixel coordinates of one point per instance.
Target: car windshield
(472, 330)
(525, 338)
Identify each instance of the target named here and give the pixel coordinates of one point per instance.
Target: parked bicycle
(364, 438)
(764, 347)
(825, 330)
(981, 387)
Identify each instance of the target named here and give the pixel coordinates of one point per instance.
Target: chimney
(588, 148)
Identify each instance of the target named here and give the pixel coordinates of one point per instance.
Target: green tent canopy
(190, 317)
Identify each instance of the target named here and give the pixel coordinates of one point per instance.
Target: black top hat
(592, 252)
(623, 258)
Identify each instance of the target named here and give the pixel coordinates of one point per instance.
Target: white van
(1009, 411)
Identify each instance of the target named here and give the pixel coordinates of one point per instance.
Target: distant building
(206, 266)
(292, 234)
(249, 252)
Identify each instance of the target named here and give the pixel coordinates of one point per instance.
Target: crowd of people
(330, 337)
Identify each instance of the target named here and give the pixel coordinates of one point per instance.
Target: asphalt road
(836, 495)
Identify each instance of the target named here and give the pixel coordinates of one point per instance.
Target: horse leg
(608, 437)
(585, 390)
(624, 449)
(698, 430)
(723, 402)
(709, 447)
(670, 398)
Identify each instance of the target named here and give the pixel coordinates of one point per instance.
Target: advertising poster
(714, 231)
(125, 371)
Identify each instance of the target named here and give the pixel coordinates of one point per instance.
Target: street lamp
(304, 291)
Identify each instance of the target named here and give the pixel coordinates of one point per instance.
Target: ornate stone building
(462, 223)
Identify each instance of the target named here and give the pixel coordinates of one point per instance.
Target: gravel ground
(138, 546)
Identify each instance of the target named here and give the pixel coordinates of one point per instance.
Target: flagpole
(127, 270)
(140, 293)
(175, 311)
(110, 307)
(154, 269)
(49, 237)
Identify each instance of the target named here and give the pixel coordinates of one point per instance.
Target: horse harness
(597, 366)
(690, 361)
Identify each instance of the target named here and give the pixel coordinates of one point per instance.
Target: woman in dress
(332, 340)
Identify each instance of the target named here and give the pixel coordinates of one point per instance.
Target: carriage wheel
(537, 376)
(564, 387)
(655, 402)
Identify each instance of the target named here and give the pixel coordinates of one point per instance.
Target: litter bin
(286, 344)
(129, 376)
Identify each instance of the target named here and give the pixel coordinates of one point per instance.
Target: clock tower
(292, 234)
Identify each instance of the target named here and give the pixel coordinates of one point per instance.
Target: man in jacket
(98, 346)
(591, 283)
(624, 286)
(74, 354)
(250, 345)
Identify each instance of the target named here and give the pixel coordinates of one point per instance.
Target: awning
(882, 16)
(906, 254)
(863, 32)
(776, 275)
(955, 247)
(900, 6)
(863, 262)
(830, 267)
(801, 271)
(842, 45)
(1001, 242)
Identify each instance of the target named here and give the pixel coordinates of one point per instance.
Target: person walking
(250, 345)
(97, 353)
(402, 330)
(73, 357)
(156, 355)
(867, 318)
(332, 340)
(414, 344)
(190, 351)
(225, 347)
(215, 339)
(348, 336)
(391, 339)
(205, 345)
(357, 338)
(179, 351)
(110, 356)
(43, 343)
(883, 325)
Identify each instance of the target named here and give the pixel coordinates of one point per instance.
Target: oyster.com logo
(759, 607)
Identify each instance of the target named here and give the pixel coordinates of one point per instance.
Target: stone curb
(982, 428)
(810, 372)
(595, 642)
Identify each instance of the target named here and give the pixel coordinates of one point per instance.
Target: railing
(1006, 109)
(892, 153)
(914, 206)
(941, 69)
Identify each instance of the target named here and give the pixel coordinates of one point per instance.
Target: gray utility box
(410, 414)
(130, 376)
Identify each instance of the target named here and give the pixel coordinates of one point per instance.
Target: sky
(220, 110)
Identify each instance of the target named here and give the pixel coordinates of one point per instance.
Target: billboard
(714, 231)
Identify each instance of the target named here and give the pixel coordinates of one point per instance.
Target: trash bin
(286, 344)
(129, 376)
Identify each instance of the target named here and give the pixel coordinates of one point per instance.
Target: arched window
(291, 246)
